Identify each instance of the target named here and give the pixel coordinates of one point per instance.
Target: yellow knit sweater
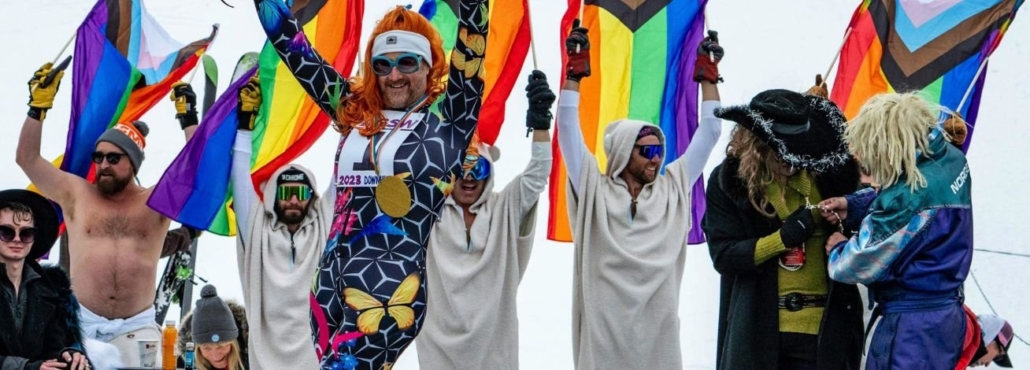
(811, 279)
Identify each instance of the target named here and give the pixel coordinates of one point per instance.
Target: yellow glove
(249, 103)
(185, 104)
(41, 94)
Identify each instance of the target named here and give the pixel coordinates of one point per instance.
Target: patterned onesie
(368, 298)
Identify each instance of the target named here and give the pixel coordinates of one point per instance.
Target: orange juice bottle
(171, 335)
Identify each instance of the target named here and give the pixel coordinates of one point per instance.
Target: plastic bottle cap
(170, 322)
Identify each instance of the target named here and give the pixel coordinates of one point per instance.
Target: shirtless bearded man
(115, 239)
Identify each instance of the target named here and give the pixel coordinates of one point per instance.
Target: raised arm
(570, 139)
(318, 78)
(706, 73)
(538, 120)
(243, 193)
(465, 82)
(185, 108)
(55, 184)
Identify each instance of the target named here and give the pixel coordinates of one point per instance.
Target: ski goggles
(7, 234)
(649, 151)
(287, 192)
(406, 63)
(479, 171)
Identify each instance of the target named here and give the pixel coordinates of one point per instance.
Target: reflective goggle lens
(287, 192)
(479, 171)
(649, 151)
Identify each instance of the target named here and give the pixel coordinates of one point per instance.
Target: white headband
(402, 42)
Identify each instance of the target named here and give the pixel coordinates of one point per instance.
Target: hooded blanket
(627, 268)
(276, 267)
(473, 282)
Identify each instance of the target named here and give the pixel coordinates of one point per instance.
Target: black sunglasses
(7, 234)
(112, 158)
(649, 151)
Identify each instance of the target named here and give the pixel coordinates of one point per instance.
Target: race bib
(355, 166)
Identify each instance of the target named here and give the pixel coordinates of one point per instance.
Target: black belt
(794, 302)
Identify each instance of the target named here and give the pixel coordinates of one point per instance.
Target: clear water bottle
(187, 358)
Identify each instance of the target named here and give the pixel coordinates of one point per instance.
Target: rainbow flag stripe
(935, 48)
(195, 190)
(119, 73)
(506, 48)
(642, 60)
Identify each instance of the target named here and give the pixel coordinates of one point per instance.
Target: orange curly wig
(365, 104)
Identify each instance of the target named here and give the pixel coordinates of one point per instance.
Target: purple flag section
(196, 187)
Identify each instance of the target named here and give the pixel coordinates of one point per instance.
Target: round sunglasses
(27, 235)
(112, 158)
(406, 63)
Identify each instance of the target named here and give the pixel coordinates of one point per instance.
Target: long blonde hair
(888, 132)
(757, 168)
(235, 362)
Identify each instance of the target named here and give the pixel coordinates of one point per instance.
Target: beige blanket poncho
(472, 321)
(627, 269)
(276, 268)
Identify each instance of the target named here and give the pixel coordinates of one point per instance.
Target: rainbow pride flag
(125, 63)
(642, 60)
(935, 47)
(195, 189)
(506, 49)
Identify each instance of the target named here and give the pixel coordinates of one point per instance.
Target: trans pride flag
(934, 47)
(195, 189)
(642, 61)
(124, 64)
(506, 49)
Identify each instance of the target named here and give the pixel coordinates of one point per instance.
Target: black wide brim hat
(44, 217)
(806, 131)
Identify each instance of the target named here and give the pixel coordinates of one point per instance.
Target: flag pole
(63, 49)
(532, 39)
(969, 90)
(582, 4)
(711, 56)
(826, 76)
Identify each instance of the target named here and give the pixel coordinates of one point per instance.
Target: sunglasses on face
(479, 171)
(649, 151)
(287, 192)
(112, 158)
(406, 63)
(7, 234)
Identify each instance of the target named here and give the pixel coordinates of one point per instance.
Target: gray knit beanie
(130, 138)
(212, 320)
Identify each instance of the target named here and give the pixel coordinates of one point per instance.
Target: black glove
(541, 98)
(185, 104)
(705, 69)
(248, 104)
(577, 47)
(797, 228)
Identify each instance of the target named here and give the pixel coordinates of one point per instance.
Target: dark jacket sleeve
(177, 240)
(724, 226)
(18, 363)
(63, 330)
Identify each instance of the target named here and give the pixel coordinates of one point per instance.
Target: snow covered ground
(770, 44)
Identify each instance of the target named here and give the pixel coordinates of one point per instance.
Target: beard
(290, 218)
(109, 184)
